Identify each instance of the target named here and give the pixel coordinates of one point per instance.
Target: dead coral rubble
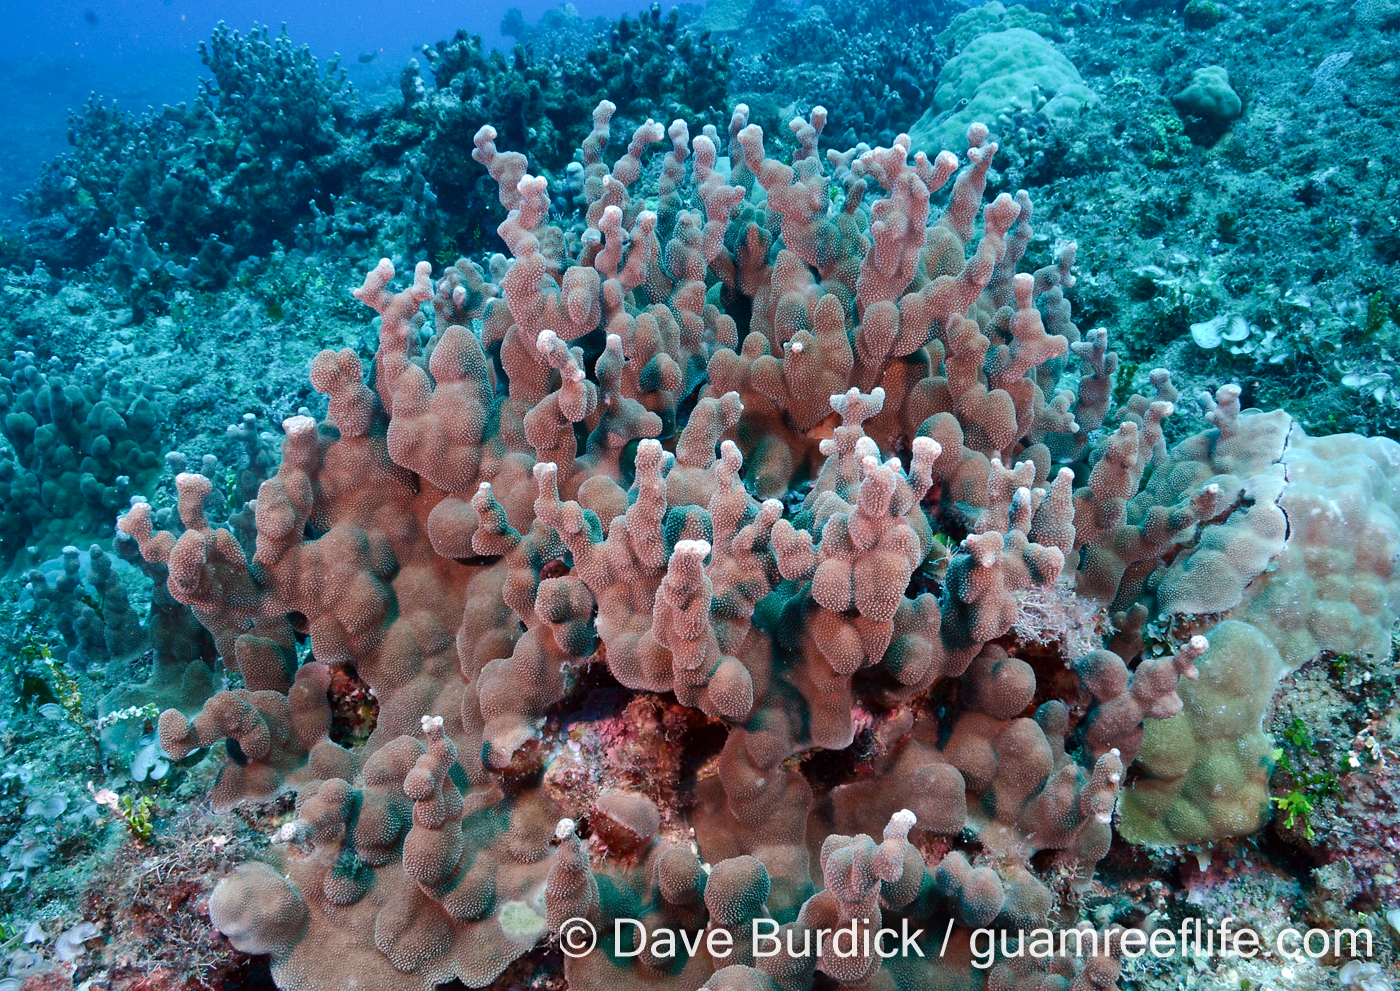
(587, 464)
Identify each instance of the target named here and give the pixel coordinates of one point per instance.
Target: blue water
(146, 53)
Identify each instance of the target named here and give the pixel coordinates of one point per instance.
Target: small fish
(90, 16)
(367, 57)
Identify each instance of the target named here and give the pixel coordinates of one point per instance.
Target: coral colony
(751, 576)
(820, 466)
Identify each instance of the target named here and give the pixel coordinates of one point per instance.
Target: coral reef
(773, 555)
(542, 97)
(872, 65)
(277, 150)
(1312, 330)
(1305, 273)
(84, 440)
(793, 410)
(226, 174)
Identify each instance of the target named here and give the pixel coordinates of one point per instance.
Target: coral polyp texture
(778, 448)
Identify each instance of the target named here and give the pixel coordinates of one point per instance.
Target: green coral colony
(731, 530)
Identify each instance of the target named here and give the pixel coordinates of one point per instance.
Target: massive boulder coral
(804, 466)
(1331, 586)
(1012, 67)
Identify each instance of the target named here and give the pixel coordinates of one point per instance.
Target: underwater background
(486, 487)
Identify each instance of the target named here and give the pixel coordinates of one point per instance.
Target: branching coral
(708, 445)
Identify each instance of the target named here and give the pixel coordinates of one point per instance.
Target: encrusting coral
(799, 460)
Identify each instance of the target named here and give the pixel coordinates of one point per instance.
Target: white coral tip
(294, 425)
(927, 448)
